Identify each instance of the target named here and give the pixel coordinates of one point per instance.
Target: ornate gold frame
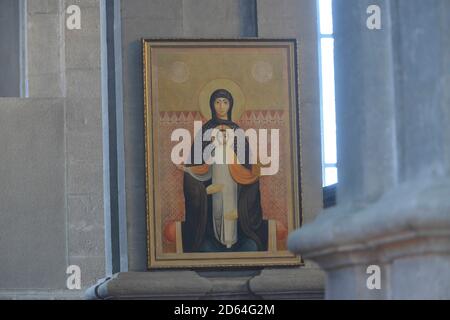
(238, 259)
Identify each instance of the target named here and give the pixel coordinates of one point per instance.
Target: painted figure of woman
(223, 201)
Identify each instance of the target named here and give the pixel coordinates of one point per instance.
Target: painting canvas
(222, 152)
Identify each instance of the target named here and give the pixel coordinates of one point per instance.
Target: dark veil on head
(215, 121)
(221, 93)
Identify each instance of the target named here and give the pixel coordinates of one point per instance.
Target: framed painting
(222, 152)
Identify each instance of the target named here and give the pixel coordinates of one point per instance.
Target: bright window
(328, 112)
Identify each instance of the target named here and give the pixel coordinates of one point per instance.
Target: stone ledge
(36, 294)
(150, 285)
(300, 283)
(279, 283)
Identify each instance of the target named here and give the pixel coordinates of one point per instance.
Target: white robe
(224, 203)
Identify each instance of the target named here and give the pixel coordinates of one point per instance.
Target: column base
(406, 234)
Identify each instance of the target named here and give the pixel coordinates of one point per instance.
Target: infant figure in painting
(222, 200)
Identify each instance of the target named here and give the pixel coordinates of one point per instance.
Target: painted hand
(232, 215)
(181, 167)
(214, 188)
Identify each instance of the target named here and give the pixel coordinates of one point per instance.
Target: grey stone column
(392, 100)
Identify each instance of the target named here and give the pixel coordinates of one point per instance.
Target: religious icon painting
(222, 151)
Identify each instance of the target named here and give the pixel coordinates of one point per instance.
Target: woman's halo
(232, 87)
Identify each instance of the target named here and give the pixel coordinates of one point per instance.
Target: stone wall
(52, 159)
(55, 174)
(9, 48)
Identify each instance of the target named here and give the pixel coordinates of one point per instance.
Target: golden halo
(232, 87)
